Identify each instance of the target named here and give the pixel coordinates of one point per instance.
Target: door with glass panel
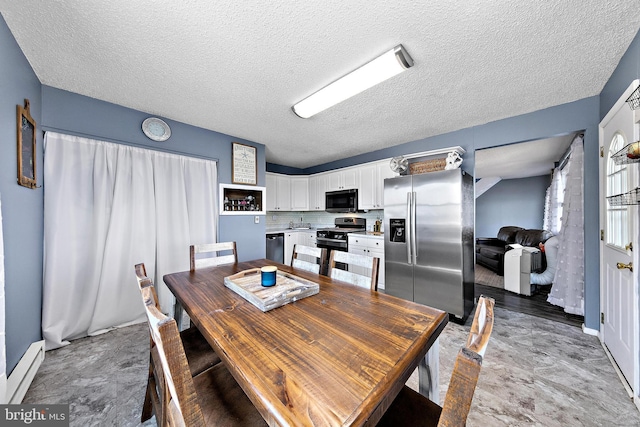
(618, 223)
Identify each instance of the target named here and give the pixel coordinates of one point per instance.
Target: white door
(619, 331)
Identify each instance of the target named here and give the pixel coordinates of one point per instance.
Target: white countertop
(289, 230)
(368, 235)
(364, 234)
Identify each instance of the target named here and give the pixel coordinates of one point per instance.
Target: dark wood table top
(336, 358)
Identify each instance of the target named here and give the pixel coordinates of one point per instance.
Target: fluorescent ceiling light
(370, 74)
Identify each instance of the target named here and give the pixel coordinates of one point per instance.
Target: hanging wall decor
(26, 146)
(244, 167)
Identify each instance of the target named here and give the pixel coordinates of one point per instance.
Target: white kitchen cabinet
(383, 171)
(291, 238)
(299, 193)
(297, 237)
(342, 179)
(370, 246)
(278, 192)
(368, 190)
(308, 238)
(317, 188)
(371, 190)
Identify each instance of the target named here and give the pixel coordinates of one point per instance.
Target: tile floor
(536, 372)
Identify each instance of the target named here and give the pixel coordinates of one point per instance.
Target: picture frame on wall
(244, 166)
(26, 130)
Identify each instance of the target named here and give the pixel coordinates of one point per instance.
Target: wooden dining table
(336, 358)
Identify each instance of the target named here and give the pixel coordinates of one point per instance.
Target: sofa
(490, 250)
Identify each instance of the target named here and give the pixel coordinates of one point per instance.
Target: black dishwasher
(275, 247)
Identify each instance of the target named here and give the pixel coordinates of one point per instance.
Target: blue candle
(268, 275)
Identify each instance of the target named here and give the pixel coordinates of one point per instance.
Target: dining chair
(200, 356)
(229, 257)
(317, 254)
(211, 398)
(411, 409)
(362, 269)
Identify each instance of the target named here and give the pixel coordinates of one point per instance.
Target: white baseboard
(3, 388)
(590, 331)
(22, 375)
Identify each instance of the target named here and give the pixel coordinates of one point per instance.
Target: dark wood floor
(535, 305)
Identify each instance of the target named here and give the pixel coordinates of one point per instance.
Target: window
(617, 182)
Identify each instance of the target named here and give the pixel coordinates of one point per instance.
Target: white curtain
(107, 207)
(568, 286)
(553, 202)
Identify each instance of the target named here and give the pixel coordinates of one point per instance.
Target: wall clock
(156, 129)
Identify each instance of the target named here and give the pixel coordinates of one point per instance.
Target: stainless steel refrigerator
(428, 243)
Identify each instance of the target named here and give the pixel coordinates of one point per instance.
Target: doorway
(519, 175)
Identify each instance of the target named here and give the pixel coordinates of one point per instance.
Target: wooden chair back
(365, 273)
(413, 409)
(466, 370)
(319, 254)
(214, 249)
(178, 398)
(145, 282)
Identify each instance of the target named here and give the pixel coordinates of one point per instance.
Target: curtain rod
(565, 157)
(129, 143)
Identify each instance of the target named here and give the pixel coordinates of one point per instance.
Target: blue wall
(581, 115)
(511, 202)
(75, 114)
(628, 70)
(22, 208)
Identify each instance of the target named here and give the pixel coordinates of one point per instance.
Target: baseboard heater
(22, 375)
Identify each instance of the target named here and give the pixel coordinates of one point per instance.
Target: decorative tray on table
(288, 288)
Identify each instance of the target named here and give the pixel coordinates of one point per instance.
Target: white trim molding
(22, 375)
(589, 331)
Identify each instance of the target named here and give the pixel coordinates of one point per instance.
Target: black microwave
(341, 201)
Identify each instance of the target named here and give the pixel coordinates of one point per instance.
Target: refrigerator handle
(408, 227)
(414, 240)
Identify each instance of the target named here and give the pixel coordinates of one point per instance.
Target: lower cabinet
(370, 246)
(308, 239)
(290, 239)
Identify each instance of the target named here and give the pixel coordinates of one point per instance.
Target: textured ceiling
(238, 67)
(522, 160)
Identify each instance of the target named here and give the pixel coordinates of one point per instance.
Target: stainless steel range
(335, 239)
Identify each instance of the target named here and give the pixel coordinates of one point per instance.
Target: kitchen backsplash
(318, 219)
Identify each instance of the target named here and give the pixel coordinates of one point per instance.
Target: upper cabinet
(299, 193)
(317, 188)
(367, 194)
(278, 192)
(383, 172)
(307, 193)
(287, 193)
(342, 179)
(372, 176)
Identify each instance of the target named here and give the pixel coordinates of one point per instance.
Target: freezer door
(398, 267)
(438, 273)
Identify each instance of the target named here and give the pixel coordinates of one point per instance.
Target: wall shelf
(629, 154)
(629, 198)
(634, 99)
(242, 200)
